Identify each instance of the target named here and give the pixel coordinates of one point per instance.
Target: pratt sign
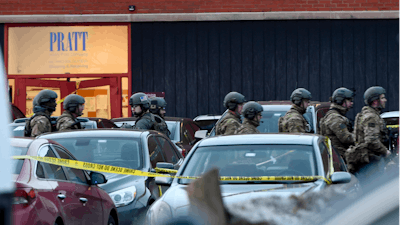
(67, 50)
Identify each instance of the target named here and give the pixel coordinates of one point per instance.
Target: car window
(188, 132)
(338, 162)
(269, 121)
(325, 157)
(170, 154)
(46, 170)
(155, 152)
(253, 160)
(75, 175)
(17, 163)
(320, 114)
(172, 127)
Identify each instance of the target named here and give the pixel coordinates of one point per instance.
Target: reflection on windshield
(253, 160)
(123, 152)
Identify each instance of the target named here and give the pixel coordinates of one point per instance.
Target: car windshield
(253, 160)
(123, 152)
(269, 121)
(17, 164)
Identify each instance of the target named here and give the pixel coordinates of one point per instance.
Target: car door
(89, 210)
(156, 155)
(171, 155)
(62, 191)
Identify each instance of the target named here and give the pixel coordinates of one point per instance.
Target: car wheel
(111, 220)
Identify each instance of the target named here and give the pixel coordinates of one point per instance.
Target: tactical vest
(161, 125)
(28, 128)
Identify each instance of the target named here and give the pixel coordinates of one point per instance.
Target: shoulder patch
(342, 126)
(371, 124)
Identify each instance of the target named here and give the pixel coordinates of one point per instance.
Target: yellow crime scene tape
(127, 171)
(392, 126)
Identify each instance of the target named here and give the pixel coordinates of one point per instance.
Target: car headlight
(159, 213)
(124, 196)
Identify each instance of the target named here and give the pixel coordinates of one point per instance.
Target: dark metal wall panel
(197, 63)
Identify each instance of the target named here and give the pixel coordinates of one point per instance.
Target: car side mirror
(164, 181)
(165, 165)
(97, 178)
(341, 177)
(200, 134)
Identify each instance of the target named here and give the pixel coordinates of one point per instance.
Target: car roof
(207, 117)
(265, 138)
(390, 114)
(97, 133)
(22, 142)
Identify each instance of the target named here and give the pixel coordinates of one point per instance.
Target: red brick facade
(35, 7)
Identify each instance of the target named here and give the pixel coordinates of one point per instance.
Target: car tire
(111, 220)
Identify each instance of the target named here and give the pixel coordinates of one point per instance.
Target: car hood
(177, 197)
(117, 182)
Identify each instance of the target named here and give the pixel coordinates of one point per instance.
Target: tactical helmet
(43, 97)
(299, 94)
(340, 94)
(72, 101)
(251, 109)
(232, 99)
(157, 104)
(372, 94)
(140, 98)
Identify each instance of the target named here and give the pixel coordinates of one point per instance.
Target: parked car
(182, 131)
(392, 123)
(103, 123)
(16, 113)
(255, 155)
(135, 149)
(52, 194)
(18, 126)
(206, 122)
(275, 109)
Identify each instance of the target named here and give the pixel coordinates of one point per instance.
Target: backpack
(28, 128)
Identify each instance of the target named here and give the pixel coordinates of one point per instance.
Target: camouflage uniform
(335, 126)
(293, 121)
(248, 127)
(67, 121)
(40, 124)
(370, 132)
(229, 124)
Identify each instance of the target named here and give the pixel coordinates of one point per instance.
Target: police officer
(252, 117)
(157, 108)
(44, 104)
(231, 122)
(293, 120)
(335, 124)
(73, 108)
(140, 107)
(370, 131)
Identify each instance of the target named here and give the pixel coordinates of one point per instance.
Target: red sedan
(51, 194)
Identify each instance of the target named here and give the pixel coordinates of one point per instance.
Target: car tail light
(23, 195)
(183, 152)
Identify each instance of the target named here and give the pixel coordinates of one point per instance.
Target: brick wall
(32, 7)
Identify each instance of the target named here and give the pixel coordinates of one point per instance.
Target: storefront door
(101, 95)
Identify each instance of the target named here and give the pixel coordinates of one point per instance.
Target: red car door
(62, 193)
(89, 210)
